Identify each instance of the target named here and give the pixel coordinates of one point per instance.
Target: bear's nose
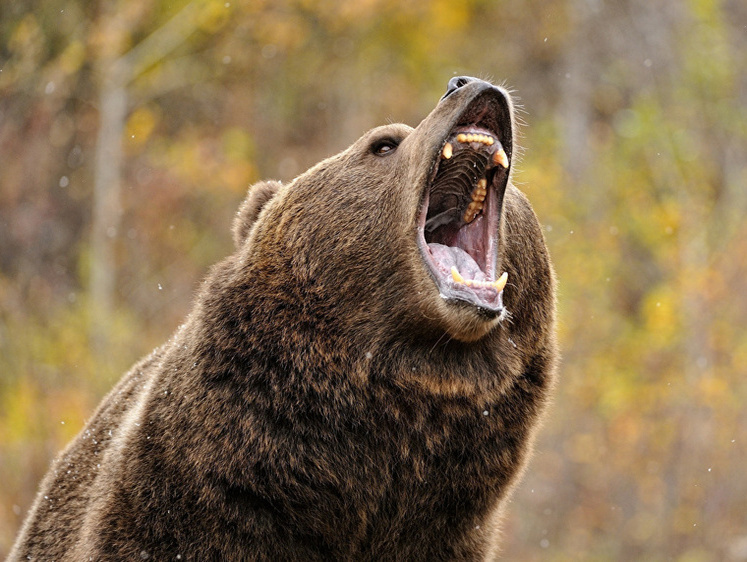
(456, 83)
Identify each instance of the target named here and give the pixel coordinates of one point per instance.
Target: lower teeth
(497, 285)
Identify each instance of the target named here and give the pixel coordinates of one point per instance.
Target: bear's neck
(371, 426)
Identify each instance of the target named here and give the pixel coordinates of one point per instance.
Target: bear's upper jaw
(459, 220)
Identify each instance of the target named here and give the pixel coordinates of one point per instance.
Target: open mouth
(458, 227)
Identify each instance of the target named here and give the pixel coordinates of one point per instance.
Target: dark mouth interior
(463, 202)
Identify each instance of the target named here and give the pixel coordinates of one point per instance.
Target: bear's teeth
(455, 275)
(447, 151)
(480, 191)
(475, 137)
(477, 204)
(497, 285)
(501, 283)
(472, 211)
(499, 157)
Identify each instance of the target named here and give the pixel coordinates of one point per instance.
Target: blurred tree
(116, 66)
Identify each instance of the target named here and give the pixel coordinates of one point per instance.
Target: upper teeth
(499, 157)
(477, 203)
(476, 137)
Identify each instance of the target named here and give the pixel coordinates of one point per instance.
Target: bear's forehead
(397, 130)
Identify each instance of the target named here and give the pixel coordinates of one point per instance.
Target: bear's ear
(259, 194)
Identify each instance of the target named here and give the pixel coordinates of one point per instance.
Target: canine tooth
(455, 275)
(497, 285)
(461, 137)
(501, 283)
(447, 151)
(499, 157)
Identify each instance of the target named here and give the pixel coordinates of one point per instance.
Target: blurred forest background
(130, 130)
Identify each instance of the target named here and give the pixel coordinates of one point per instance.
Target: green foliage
(636, 151)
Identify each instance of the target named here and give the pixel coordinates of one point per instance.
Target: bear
(362, 379)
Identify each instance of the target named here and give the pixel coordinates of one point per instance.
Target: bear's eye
(384, 147)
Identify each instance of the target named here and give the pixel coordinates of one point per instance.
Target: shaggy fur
(321, 401)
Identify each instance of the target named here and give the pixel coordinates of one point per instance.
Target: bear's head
(406, 230)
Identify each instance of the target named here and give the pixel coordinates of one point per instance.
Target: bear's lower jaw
(467, 323)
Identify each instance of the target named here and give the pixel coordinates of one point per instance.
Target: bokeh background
(130, 130)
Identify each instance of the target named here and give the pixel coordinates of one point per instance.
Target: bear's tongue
(448, 256)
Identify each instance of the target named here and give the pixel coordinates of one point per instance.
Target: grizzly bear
(360, 380)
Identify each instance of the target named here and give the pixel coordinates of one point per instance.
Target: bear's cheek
(335, 235)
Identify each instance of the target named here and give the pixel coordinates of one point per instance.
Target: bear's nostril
(457, 82)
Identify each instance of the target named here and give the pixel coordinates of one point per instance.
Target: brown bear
(360, 380)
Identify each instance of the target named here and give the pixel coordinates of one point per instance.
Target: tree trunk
(107, 208)
(116, 71)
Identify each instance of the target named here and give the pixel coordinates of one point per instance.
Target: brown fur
(321, 402)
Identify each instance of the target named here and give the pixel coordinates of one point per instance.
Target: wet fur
(321, 401)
